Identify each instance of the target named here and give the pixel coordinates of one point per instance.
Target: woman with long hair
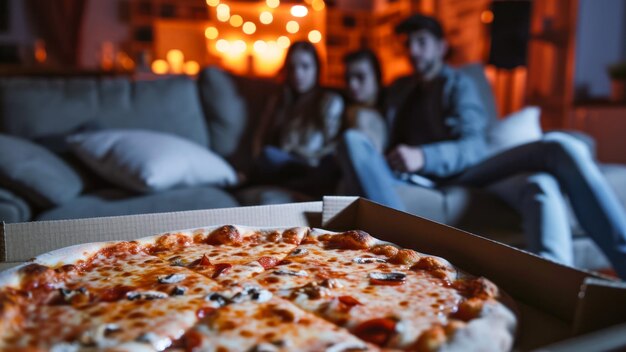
(298, 132)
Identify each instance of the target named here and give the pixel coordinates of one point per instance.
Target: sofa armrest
(13, 208)
(581, 136)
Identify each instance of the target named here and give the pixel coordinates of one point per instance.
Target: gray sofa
(218, 111)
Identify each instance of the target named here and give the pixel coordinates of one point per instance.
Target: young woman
(364, 92)
(298, 132)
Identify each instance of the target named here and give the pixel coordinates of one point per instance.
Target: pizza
(235, 288)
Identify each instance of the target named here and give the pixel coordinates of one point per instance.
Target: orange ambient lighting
(299, 11)
(222, 45)
(212, 3)
(315, 36)
(211, 33)
(160, 67)
(266, 17)
(260, 46)
(249, 27)
(292, 27)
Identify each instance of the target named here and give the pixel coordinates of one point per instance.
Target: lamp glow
(236, 21)
(223, 12)
(212, 3)
(299, 11)
(283, 42)
(191, 67)
(292, 27)
(211, 33)
(222, 45)
(272, 3)
(160, 67)
(266, 17)
(315, 36)
(260, 46)
(249, 27)
(318, 5)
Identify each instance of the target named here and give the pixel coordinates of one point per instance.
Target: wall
(601, 41)
(101, 23)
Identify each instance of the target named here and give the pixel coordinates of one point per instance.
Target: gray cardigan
(464, 116)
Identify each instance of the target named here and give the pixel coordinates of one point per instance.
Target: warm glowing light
(266, 17)
(486, 16)
(236, 20)
(40, 51)
(283, 42)
(160, 67)
(223, 12)
(175, 55)
(211, 33)
(222, 45)
(292, 27)
(239, 47)
(318, 5)
(299, 11)
(191, 68)
(315, 36)
(260, 46)
(249, 27)
(272, 3)
(213, 3)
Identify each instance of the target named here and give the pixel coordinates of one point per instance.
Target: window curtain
(58, 23)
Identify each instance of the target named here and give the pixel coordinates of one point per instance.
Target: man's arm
(468, 119)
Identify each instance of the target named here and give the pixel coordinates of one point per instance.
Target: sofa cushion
(148, 161)
(39, 107)
(425, 202)
(116, 202)
(35, 173)
(13, 208)
(515, 129)
(224, 108)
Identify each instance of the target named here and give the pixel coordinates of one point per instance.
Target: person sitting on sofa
(299, 130)
(364, 91)
(438, 134)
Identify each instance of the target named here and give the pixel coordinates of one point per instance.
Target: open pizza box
(560, 308)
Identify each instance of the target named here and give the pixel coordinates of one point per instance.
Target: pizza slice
(227, 254)
(271, 325)
(391, 297)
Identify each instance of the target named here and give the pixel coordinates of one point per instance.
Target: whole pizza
(234, 288)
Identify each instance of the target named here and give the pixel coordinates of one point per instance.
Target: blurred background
(566, 56)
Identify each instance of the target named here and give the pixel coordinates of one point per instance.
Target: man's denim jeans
(530, 178)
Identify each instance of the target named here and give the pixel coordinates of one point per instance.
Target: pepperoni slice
(114, 294)
(204, 312)
(204, 261)
(221, 268)
(377, 331)
(268, 262)
(349, 301)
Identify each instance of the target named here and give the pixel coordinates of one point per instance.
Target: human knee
(563, 145)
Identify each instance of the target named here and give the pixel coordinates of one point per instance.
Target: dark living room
(500, 120)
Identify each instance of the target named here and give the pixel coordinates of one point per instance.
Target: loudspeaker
(510, 31)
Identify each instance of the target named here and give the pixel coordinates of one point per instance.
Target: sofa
(218, 112)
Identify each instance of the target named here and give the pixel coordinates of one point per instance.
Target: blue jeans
(530, 178)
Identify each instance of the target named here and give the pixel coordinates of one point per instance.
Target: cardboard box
(560, 308)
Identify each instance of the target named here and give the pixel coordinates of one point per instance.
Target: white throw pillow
(148, 161)
(517, 128)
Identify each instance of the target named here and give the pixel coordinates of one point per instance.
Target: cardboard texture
(21, 241)
(553, 302)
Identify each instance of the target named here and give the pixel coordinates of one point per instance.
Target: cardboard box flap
(529, 278)
(601, 303)
(22, 241)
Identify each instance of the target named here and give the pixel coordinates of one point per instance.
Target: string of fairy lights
(236, 26)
